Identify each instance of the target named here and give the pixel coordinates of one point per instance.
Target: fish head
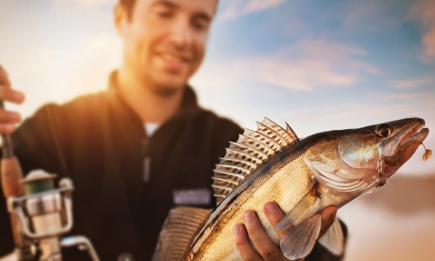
(379, 149)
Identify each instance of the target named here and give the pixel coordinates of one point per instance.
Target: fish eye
(384, 130)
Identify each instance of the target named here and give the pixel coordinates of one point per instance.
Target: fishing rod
(11, 175)
(39, 213)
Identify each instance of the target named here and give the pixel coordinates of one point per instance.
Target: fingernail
(9, 127)
(329, 212)
(248, 216)
(13, 116)
(237, 232)
(17, 96)
(236, 229)
(271, 207)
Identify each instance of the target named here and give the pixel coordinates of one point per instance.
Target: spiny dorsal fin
(251, 150)
(291, 132)
(262, 138)
(180, 228)
(255, 144)
(288, 135)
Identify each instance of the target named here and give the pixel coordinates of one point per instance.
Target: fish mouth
(417, 133)
(406, 143)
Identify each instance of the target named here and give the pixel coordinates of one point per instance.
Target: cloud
(86, 70)
(411, 83)
(371, 15)
(84, 4)
(424, 11)
(349, 111)
(338, 116)
(399, 96)
(237, 8)
(307, 66)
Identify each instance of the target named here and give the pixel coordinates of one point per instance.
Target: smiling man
(143, 146)
(164, 44)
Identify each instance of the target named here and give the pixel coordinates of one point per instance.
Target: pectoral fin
(299, 241)
(333, 240)
(299, 210)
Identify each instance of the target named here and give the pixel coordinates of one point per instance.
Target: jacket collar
(188, 108)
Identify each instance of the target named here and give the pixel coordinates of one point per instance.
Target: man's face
(165, 41)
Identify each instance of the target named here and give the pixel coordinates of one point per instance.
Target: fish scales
(285, 170)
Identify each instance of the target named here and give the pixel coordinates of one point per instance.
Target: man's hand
(8, 119)
(266, 248)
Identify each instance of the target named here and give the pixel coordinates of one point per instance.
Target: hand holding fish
(8, 119)
(267, 249)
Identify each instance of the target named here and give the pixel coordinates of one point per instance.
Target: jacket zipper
(146, 161)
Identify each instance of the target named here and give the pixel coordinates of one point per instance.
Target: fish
(303, 176)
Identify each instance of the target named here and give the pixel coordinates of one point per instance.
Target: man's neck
(149, 106)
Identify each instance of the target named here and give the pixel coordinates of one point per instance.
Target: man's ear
(120, 18)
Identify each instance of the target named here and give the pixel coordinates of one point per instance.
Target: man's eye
(200, 25)
(164, 14)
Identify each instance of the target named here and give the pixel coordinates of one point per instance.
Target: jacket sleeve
(320, 253)
(36, 142)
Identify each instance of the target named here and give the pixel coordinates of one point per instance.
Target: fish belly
(285, 186)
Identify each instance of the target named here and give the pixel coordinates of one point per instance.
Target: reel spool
(44, 214)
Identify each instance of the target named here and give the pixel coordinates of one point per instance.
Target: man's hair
(129, 6)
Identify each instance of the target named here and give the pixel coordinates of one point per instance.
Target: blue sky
(319, 65)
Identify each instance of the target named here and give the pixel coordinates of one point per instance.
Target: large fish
(302, 175)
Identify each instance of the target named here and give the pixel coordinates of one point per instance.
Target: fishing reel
(44, 214)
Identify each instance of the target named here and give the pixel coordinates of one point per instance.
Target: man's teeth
(172, 58)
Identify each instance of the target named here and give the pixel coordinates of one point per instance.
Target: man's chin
(166, 91)
(169, 88)
(166, 84)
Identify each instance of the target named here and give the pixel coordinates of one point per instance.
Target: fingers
(265, 246)
(243, 245)
(274, 214)
(328, 217)
(260, 239)
(8, 119)
(7, 128)
(4, 79)
(6, 93)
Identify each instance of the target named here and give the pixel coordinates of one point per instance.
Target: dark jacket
(100, 143)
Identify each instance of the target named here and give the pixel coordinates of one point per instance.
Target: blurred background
(319, 65)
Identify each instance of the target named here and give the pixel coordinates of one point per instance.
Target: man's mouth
(173, 62)
(174, 58)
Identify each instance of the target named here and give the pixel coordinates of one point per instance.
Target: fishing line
(47, 108)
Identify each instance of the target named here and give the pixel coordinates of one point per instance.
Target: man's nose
(181, 34)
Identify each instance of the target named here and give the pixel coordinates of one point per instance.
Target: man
(127, 174)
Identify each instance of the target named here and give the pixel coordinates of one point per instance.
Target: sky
(318, 65)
